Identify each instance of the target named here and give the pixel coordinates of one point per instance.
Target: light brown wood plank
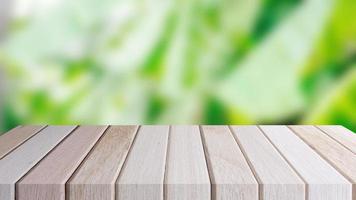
(342, 135)
(47, 180)
(15, 137)
(340, 157)
(21, 160)
(143, 175)
(279, 181)
(96, 177)
(324, 182)
(186, 171)
(230, 174)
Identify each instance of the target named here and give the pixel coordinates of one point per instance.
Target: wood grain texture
(21, 160)
(95, 179)
(178, 163)
(15, 137)
(324, 182)
(279, 181)
(143, 175)
(342, 135)
(340, 157)
(186, 171)
(230, 174)
(47, 180)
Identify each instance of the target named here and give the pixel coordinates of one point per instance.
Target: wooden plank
(143, 175)
(186, 171)
(324, 182)
(96, 177)
(340, 157)
(230, 174)
(279, 181)
(342, 135)
(21, 160)
(15, 137)
(47, 180)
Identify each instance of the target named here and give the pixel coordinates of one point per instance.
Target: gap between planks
(279, 180)
(258, 179)
(324, 183)
(66, 188)
(346, 139)
(13, 143)
(165, 195)
(42, 143)
(210, 173)
(311, 134)
(290, 165)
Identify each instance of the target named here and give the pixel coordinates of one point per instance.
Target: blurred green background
(178, 62)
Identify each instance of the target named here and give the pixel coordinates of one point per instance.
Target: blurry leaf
(18, 24)
(338, 106)
(272, 13)
(156, 106)
(156, 61)
(120, 35)
(233, 58)
(214, 51)
(39, 102)
(317, 83)
(211, 11)
(265, 86)
(215, 112)
(153, 65)
(84, 66)
(9, 119)
(334, 54)
(62, 111)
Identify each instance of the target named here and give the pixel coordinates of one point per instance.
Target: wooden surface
(338, 155)
(16, 137)
(230, 174)
(96, 177)
(143, 175)
(20, 161)
(186, 172)
(342, 135)
(279, 180)
(324, 183)
(178, 162)
(47, 180)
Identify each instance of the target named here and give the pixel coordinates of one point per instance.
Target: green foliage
(198, 61)
(10, 119)
(153, 63)
(339, 105)
(272, 13)
(216, 113)
(156, 106)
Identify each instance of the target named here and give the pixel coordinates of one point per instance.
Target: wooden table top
(178, 162)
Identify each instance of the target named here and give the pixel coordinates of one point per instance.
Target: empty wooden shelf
(187, 162)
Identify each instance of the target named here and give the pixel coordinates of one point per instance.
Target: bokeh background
(177, 62)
